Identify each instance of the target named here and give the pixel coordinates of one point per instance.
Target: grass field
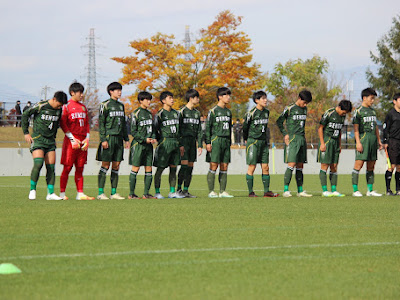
(239, 248)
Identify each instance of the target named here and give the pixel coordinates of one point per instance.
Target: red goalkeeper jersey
(75, 119)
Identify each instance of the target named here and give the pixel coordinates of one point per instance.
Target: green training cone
(9, 269)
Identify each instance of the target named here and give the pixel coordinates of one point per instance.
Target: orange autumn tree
(220, 56)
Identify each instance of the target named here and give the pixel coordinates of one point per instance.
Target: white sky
(41, 40)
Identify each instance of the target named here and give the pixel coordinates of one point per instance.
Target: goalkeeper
(75, 124)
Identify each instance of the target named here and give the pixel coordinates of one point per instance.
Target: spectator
(18, 114)
(27, 106)
(238, 131)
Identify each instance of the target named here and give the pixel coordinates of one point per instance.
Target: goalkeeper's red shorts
(70, 157)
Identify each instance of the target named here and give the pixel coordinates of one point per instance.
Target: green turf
(239, 248)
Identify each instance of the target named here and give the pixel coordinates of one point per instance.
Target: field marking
(169, 251)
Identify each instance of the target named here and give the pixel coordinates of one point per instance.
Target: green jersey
(365, 117)
(332, 123)
(142, 125)
(218, 123)
(166, 124)
(255, 124)
(46, 120)
(295, 117)
(190, 124)
(112, 120)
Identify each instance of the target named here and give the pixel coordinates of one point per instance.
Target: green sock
(50, 188)
(50, 175)
(157, 179)
(265, 180)
(188, 178)
(37, 166)
(333, 177)
(181, 175)
(172, 189)
(114, 181)
(211, 180)
(157, 190)
(333, 188)
(354, 179)
(287, 177)
(132, 182)
(323, 180)
(223, 180)
(113, 191)
(250, 180)
(370, 180)
(299, 180)
(148, 178)
(285, 188)
(172, 178)
(101, 179)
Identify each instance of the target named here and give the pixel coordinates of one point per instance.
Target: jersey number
(225, 126)
(173, 129)
(81, 122)
(51, 126)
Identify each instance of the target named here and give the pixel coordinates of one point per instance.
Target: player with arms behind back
(75, 124)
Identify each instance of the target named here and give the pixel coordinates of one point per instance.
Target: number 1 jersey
(75, 119)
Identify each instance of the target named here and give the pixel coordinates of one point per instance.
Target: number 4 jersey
(295, 117)
(75, 119)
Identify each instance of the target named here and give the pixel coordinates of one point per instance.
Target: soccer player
(295, 154)
(46, 118)
(169, 150)
(329, 148)
(367, 138)
(391, 142)
(141, 153)
(255, 136)
(190, 133)
(113, 136)
(218, 141)
(75, 124)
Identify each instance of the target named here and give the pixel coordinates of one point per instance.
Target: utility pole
(91, 83)
(187, 41)
(44, 91)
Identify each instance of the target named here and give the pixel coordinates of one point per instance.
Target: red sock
(79, 179)
(64, 178)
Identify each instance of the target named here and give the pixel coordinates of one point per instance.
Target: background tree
(285, 83)
(387, 80)
(220, 56)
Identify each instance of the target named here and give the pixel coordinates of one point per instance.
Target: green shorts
(220, 151)
(257, 152)
(42, 143)
(370, 147)
(190, 145)
(167, 153)
(115, 150)
(141, 154)
(331, 154)
(297, 150)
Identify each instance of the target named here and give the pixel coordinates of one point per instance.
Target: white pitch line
(168, 251)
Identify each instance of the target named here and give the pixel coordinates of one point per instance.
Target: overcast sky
(41, 41)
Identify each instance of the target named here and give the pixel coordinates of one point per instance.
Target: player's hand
(200, 151)
(322, 147)
(28, 138)
(380, 145)
(126, 144)
(104, 145)
(359, 147)
(76, 144)
(85, 144)
(208, 147)
(385, 146)
(182, 149)
(287, 140)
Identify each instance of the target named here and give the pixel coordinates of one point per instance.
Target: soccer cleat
(62, 195)
(32, 195)
(252, 194)
(53, 196)
(337, 194)
(303, 194)
(175, 195)
(102, 197)
(133, 196)
(287, 194)
(398, 193)
(82, 196)
(390, 193)
(181, 193)
(148, 196)
(188, 195)
(373, 194)
(212, 194)
(327, 194)
(270, 194)
(158, 196)
(357, 194)
(224, 194)
(117, 196)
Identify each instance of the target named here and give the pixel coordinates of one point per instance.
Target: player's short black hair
(144, 95)
(222, 91)
(396, 96)
(76, 87)
(345, 105)
(305, 95)
(258, 95)
(114, 86)
(61, 97)
(165, 94)
(368, 92)
(192, 93)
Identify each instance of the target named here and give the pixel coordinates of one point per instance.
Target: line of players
(178, 136)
